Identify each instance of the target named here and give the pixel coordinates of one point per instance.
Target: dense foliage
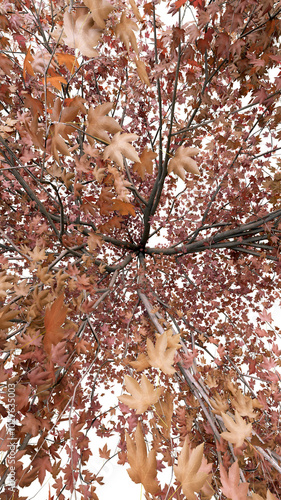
(140, 225)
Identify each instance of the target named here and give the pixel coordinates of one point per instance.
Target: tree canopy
(140, 223)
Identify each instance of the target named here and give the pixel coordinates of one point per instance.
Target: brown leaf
(120, 146)
(182, 162)
(244, 404)
(22, 395)
(30, 424)
(164, 411)
(143, 395)
(100, 10)
(125, 31)
(145, 165)
(238, 429)
(80, 32)
(104, 452)
(141, 70)
(231, 486)
(142, 466)
(141, 363)
(160, 356)
(99, 124)
(188, 471)
(34, 131)
(27, 66)
(6, 315)
(135, 10)
(94, 240)
(123, 207)
(54, 318)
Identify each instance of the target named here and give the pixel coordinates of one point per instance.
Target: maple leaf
(36, 254)
(58, 143)
(123, 207)
(172, 339)
(94, 240)
(30, 424)
(219, 404)
(135, 10)
(141, 363)
(38, 377)
(269, 496)
(238, 429)
(6, 315)
(54, 318)
(265, 316)
(188, 471)
(34, 131)
(100, 10)
(56, 81)
(104, 452)
(182, 162)
(142, 396)
(145, 165)
(27, 65)
(120, 146)
(244, 404)
(164, 411)
(179, 3)
(59, 355)
(4, 284)
(22, 288)
(141, 70)
(120, 184)
(160, 356)
(42, 61)
(43, 462)
(99, 124)
(142, 466)
(69, 60)
(125, 31)
(22, 395)
(231, 486)
(61, 117)
(6, 65)
(80, 32)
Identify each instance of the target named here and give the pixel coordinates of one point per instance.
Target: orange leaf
(145, 165)
(123, 207)
(27, 68)
(56, 81)
(69, 60)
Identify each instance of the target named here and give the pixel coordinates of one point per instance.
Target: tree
(140, 231)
